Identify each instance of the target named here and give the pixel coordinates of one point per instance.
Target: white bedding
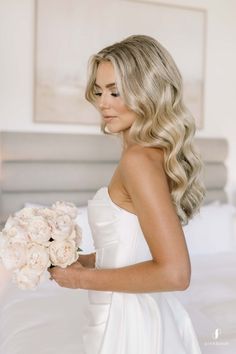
(45, 321)
(211, 301)
(50, 319)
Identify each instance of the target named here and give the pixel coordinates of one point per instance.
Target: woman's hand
(69, 277)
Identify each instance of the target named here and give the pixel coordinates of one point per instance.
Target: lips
(108, 118)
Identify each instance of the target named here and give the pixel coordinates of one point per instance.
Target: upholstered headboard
(42, 168)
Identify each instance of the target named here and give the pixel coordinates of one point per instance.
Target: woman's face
(115, 114)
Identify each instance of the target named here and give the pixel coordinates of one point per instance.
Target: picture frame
(67, 33)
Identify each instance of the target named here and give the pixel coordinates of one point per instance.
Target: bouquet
(34, 239)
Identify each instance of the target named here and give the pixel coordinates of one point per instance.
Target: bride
(136, 221)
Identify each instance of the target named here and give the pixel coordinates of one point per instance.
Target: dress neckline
(116, 205)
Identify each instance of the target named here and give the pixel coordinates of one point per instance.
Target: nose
(104, 101)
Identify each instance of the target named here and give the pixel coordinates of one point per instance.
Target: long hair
(150, 84)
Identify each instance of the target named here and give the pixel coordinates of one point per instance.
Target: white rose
(63, 253)
(39, 230)
(76, 235)
(13, 254)
(25, 214)
(65, 208)
(26, 278)
(16, 234)
(47, 213)
(13, 229)
(38, 258)
(62, 228)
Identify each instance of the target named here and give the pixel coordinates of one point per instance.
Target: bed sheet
(50, 320)
(211, 301)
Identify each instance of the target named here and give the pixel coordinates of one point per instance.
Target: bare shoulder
(143, 176)
(141, 160)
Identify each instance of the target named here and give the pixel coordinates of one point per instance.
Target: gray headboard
(45, 167)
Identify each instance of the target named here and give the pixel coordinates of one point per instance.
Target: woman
(137, 220)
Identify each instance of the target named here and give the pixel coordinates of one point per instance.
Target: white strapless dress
(127, 323)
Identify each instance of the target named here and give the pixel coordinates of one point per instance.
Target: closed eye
(112, 94)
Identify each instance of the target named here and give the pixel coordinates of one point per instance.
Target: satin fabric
(126, 323)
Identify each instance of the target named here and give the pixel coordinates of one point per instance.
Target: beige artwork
(69, 32)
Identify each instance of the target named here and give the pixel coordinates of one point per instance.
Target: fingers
(57, 273)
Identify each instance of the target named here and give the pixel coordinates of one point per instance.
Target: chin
(112, 129)
(116, 128)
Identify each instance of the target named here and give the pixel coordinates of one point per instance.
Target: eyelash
(112, 94)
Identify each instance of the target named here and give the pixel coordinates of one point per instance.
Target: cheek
(128, 119)
(126, 114)
(122, 109)
(130, 116)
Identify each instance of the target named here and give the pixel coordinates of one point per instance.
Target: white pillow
(82, 219)
(212, 230)
(34, 205)
(87, 244)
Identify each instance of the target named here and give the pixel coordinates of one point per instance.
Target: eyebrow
(107, 86)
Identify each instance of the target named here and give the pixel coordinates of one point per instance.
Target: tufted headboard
(45, 167)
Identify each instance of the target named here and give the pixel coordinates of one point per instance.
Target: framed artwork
(69, 32)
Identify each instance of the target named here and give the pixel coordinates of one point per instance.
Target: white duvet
(50, 320)
(211, 301)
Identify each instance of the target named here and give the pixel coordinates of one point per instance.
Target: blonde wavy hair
(150, 84)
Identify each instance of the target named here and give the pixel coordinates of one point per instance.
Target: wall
(16, 73)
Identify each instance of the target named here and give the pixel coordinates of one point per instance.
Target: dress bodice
(118, 237)
(128, 323)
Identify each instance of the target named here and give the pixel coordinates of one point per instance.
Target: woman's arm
(145, 180)
(148, 276)
(87, 260)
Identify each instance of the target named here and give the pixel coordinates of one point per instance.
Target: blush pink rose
(63, 253)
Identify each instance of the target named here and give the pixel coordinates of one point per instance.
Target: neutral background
(17, 72)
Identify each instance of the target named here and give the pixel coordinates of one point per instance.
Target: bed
(40, 168)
